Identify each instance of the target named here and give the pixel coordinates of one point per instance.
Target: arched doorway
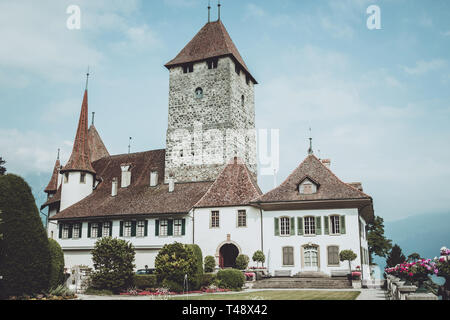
(227, 256)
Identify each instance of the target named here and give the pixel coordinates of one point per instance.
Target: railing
(397, 290)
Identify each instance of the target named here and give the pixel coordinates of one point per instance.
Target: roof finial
(129, 145)
(219, 5)
(87, 78)
(209, 11)
(58, 155)
(310, 150)
(93, 117)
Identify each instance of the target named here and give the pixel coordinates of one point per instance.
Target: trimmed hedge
(25, 261)
(145, 281)
(230, 279)
(208, 279)
(210, 263)
(196, 280)
(57, 264)
(242, 262)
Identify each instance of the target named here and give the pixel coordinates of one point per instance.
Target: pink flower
(411, 274)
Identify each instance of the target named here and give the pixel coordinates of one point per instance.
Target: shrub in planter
(210, 263)
(242, 262)
(230, 279)
(259, 257)
(347, 255)
(145, 281)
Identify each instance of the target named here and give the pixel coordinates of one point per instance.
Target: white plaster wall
(273, 244)
(74, 191)
(247, 239)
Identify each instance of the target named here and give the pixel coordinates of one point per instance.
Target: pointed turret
(53, 185)
(97, 149)
(80, 159)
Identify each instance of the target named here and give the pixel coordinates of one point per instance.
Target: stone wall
(205, 133)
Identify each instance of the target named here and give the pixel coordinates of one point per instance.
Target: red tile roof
(52, 186)
(330, 186)
(233, 187)
(211, 41)
(97, 149)
(139, 198)
(80, 159)
(53, 200)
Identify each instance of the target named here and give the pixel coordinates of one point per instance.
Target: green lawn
(279, 295)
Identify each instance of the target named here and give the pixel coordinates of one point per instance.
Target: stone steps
(303, 283)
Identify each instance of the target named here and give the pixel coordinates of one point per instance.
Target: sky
(377, 101)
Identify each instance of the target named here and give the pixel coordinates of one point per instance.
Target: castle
(202, 188)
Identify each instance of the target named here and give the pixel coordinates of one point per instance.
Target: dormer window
(307, 187)
(126, 175)
(198, 93)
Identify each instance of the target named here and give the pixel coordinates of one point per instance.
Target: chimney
(153, 178)
(114, 187)
(126, 176)
(171, 184)
(326, 163)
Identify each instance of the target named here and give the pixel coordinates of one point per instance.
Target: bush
(196, 281)
(57, 276)
(210, 263)
(230, 279)
(208, 279)
(145, 281)
(25, 261)
(173, 262)
(113, 263)
(259, 257)
(242, 262)
(97, 292)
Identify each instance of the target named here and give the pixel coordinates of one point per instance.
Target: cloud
(423, 67)
(446, 33)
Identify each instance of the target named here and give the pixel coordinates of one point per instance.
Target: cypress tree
(57, 264)
(395, 257)
(24, 249)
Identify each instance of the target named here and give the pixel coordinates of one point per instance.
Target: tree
(348, 255)
(210, 264)
(2, 168)
(196, 281)
(259, 257)
(114, 264)
(57, 264)
(24, 251)
(242, 261)
(413, 257)
(378, 243)
(173, 262)
(395, 257)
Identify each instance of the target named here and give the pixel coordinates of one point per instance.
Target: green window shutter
(110, 228)
(183, 227)
(157, 228)
(292, 226)
(277, 226)
(133, 228)
(146, 228)
(100, 230)
(342, 226)
(89, 230)
(326, 225)
(81, 229)
(300, 226)
(170, 227)
(121, 229)
(70, 231)
(60, 230)
(318, 225)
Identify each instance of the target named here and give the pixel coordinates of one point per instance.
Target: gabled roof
(330, 186)
(80, 158)
(97, 149)
(233, 187)
(211, 41)
(53, 200)
(52, 186)
(139, 198)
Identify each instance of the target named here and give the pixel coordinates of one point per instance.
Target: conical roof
(52, 186)
(80, 159)
(97, 149)
(211, 41)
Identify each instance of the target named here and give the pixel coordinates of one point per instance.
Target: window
(243, 101)
(65, 231)
(361, 230)
(177, 227)
(333, 256)
(83, 178)
(94, 230)
(66, 177)
(188, 68)
(163, 227)
(127, 229)
(140, 231)
(288, 256)
(198, 93)
(215, 221)
(237, 69)
(212, 64)
(76, 231)
(106, 229)
(242, 219)
(285, 229)
(310, 226)
(335, 225)
(307, 187)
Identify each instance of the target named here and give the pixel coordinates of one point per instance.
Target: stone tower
(211, 108)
